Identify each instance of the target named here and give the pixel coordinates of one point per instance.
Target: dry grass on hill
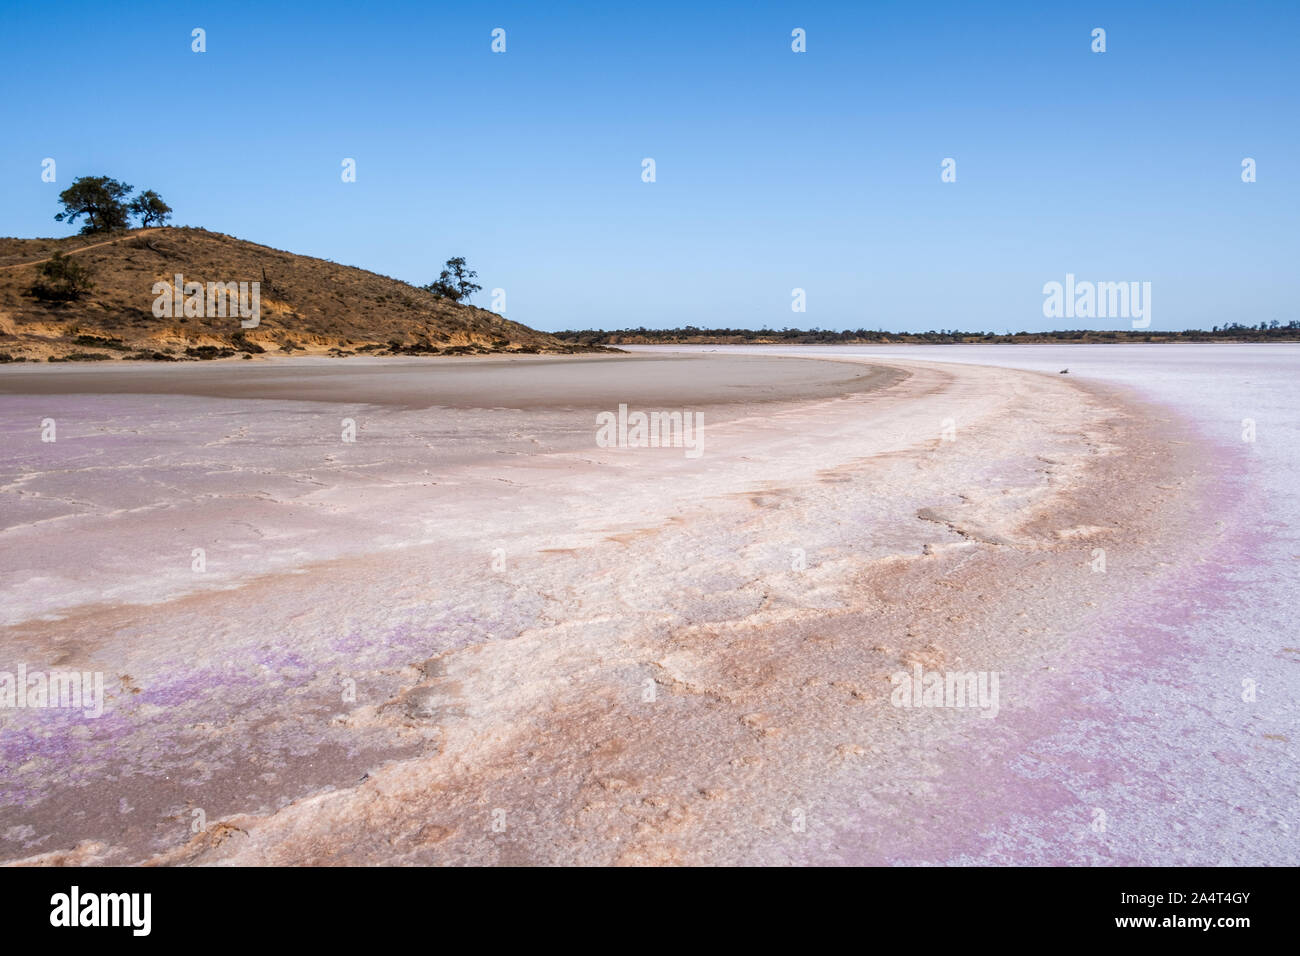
(308, 305)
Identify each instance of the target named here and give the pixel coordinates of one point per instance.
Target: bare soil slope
(307, 305)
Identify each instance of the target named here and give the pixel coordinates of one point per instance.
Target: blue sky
(775, 170)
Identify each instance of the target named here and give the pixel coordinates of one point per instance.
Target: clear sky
(774, 169)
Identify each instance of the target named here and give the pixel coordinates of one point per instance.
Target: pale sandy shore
(516, 382)
(474, 636)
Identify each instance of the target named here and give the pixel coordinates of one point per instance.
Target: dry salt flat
(1139, 747)
(474, 635)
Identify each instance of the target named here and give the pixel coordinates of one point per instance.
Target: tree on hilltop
(151, 209)
(455, 282)
(98, 198)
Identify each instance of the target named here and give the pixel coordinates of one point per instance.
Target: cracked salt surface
(1141, 749)
(525, 690)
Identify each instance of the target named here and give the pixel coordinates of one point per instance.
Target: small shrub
(81, 357)
(243, 345)
(206, 352)
(116, 345)
(60, 279)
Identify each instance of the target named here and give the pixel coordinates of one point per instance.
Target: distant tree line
(1267, 331)
(107, 205)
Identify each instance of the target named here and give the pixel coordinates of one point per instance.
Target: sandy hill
(306, 305)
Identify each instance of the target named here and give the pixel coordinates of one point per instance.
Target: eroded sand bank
(558, 652)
